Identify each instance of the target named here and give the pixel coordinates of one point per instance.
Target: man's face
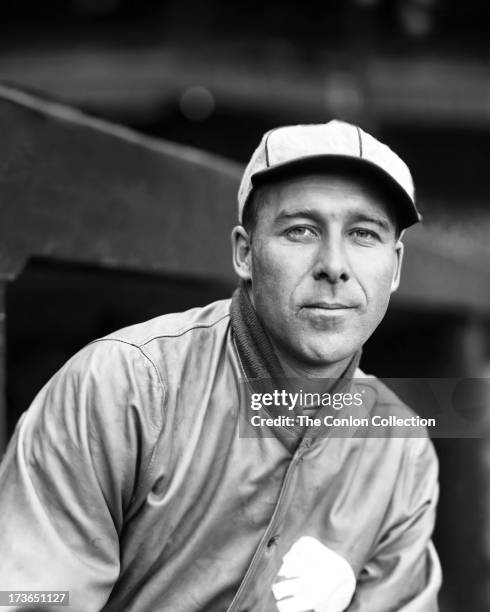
(322, 261)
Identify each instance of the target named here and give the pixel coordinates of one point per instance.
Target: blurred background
(214, 76)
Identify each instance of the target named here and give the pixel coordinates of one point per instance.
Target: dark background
(215, 75)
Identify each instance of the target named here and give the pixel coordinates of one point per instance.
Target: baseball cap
(288, 150)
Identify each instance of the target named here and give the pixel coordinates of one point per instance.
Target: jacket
(128, 484)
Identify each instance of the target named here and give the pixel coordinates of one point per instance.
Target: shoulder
(127, 347)
(213, 316)
(143, 355)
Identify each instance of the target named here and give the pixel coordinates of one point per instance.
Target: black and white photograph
(245, 306)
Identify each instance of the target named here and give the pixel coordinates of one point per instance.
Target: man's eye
(365, 236)
(301, 233)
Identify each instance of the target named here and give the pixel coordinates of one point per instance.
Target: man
(133, 481)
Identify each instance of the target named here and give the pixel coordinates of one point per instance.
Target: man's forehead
(334, 194)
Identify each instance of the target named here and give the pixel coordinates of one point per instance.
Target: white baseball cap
(284, 151)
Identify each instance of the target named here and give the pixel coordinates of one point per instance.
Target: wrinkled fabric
(127, 483)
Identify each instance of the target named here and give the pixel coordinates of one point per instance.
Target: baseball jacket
(128, 484)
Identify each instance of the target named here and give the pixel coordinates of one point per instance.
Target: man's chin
(324, 356)
(332, 359)
(313, 351)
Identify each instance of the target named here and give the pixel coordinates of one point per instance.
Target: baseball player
(129, 484)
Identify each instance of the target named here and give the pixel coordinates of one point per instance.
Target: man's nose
(331, 263)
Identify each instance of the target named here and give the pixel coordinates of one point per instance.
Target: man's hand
(313, 577)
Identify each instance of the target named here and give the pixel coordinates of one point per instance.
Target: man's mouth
(329, 305)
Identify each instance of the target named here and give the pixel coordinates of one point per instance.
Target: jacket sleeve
(404, 572)
(75, 465)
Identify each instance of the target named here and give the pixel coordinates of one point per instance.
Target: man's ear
(399, 250)
(242, 254)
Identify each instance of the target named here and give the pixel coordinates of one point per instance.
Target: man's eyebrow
(298, 212)
(379, 220)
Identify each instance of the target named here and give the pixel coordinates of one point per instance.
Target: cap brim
(404, 207)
